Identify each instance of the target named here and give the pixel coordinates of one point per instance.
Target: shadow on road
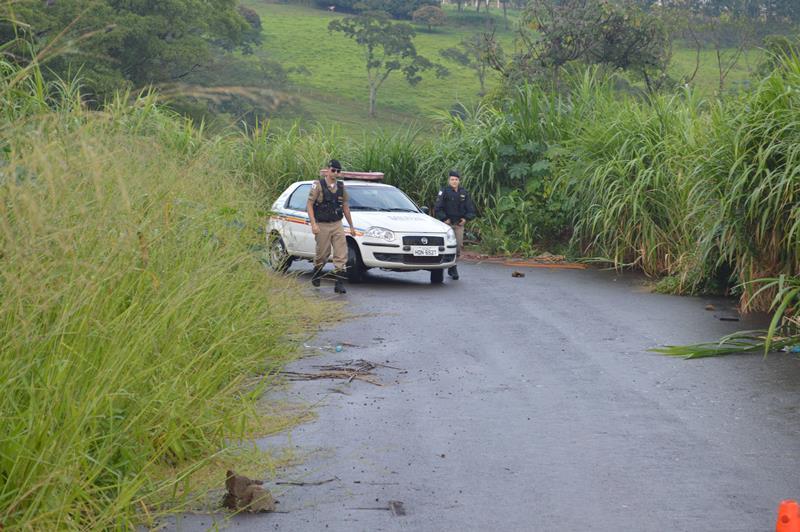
(376, 279)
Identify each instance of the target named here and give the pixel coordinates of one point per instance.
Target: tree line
(116, 45)
(766, 10)
(113, 45)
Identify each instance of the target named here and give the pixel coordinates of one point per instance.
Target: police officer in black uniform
(454, 207)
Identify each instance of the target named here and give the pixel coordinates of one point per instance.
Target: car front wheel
(437, 276)
(355, 266)
(277, 257)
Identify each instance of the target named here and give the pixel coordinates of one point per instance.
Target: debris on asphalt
(304, 483)
(246, 494)
(710, 307)
(549, 257)
(320, 347)
(397, 508)
(517, 274)
(348, 370)
(545, 260)
(727, 317)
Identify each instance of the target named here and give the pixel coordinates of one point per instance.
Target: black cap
(453, 173)
(335, 164)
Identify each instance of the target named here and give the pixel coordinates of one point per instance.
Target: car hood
(400, 222)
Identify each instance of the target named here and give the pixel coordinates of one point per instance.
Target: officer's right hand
(315, 229)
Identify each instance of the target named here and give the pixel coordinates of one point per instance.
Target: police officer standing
(454, 207)
(327, 203)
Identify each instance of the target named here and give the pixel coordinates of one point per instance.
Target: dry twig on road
(348, 370)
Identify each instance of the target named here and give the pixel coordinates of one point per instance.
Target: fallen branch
(346, 375)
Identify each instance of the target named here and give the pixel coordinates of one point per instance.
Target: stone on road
(533, 404)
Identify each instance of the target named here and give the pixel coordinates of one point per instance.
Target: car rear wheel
(355, 266)
(277, 257)
(437, 276)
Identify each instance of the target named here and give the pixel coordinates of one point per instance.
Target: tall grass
(273, 159)
(628, 168)
(752, 183)
(138, 328)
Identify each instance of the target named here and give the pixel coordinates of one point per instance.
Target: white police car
(392, 232)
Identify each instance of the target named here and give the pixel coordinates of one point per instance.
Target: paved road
(532, 404)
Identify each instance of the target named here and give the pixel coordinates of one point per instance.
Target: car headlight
(451, 237)
(380, 232)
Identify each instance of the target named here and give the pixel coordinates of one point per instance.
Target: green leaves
(619, 34)
(540, 168)
(133, 44)
(518, 171)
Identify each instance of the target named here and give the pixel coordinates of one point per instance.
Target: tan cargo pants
(331, 235)
(459, 231)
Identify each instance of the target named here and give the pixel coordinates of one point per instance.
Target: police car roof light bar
(361, 176)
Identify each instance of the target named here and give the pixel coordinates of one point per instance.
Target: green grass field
(332, 82)
(328, 77)
(707, 78)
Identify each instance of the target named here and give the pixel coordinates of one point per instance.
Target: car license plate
(425, 252)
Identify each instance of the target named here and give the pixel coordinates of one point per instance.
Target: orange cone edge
(788, 517)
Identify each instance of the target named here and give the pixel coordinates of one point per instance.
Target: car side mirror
(425, 210)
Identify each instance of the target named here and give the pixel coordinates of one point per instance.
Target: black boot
(315, 278)
(338, 287)
(452, 271)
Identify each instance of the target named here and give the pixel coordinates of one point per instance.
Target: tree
(620, 35)
(429, 16)
(472, 52)
(252, 34)
(117, 44)
(388, 47)
(722, 31)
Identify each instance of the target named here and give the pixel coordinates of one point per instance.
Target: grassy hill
(328, 79)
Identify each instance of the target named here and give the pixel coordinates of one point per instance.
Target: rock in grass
(246, 494)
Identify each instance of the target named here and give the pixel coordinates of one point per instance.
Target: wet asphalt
(533, 404)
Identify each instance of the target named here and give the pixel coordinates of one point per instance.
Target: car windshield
(387, 199)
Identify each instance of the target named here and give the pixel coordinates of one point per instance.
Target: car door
(299, 238)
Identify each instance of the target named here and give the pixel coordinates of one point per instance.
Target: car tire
(355, 266)
(278, 258)
(437, 276)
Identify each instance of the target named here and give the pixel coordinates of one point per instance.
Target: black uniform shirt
(454, 204)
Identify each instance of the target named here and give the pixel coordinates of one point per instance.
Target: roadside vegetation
(139, 327)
